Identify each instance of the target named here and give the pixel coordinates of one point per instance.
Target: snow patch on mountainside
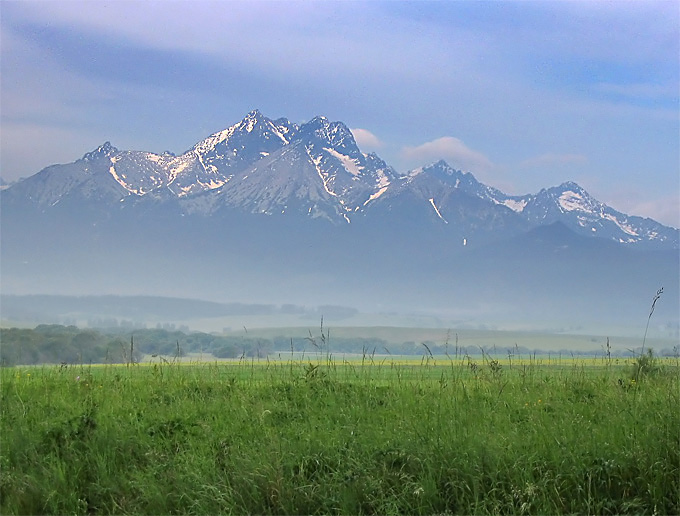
(154, 157)
(350, 164)
(437, 210)
(514, 205)
(181, 167)
(281, 132)
(213, 140)
(250, 124)
(383, 180)
(377, 194)
(207, 167)
(121, 181)
(626, 228)
(212, 184)
(570, 200)
(324, 177)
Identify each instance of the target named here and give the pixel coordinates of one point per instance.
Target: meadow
(332, 435)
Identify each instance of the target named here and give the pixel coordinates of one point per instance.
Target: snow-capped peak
(251, 120)
(254, 126)
(572, 201)
(104, 150)
(571, 197)
(333, 134)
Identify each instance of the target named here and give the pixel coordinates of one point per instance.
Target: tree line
(58, 344)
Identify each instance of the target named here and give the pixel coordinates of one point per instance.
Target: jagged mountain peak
(265, 127)
(443, 165)
(252, 128)
(252, 119)
(569, 197)
(104, 150)
(445, 172)
(567, 187)
(570, 185)
(334, 134)
(443, 175)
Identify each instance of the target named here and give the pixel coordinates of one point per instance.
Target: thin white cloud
(365, 139)
(551, 159)
(450, 149)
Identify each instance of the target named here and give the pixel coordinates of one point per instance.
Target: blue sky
(524, 95)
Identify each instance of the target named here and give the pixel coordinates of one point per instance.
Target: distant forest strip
(57, 344)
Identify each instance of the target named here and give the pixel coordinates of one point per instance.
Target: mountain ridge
(268, 166)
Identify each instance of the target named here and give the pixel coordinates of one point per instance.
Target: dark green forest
(57, 344)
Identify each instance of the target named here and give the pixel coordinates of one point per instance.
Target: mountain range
(269, 210)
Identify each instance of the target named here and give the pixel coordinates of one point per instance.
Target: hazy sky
(524, 95)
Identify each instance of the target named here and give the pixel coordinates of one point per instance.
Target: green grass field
(469, 435)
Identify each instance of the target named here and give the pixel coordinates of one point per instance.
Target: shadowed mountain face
(269, 211)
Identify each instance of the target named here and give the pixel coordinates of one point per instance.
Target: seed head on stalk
(651, 311)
